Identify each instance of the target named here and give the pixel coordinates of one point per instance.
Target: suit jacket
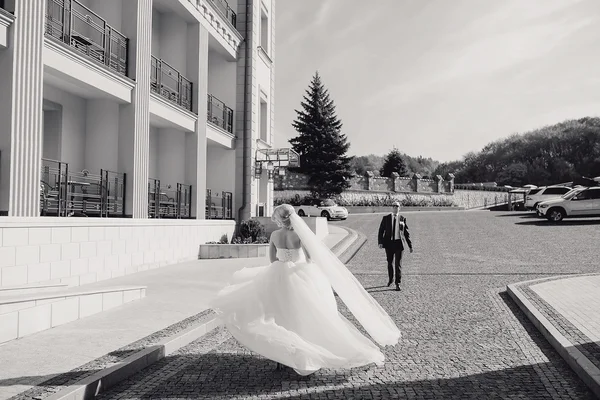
(385, 232)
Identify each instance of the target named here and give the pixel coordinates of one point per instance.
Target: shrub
(251, 229)
(380, 199)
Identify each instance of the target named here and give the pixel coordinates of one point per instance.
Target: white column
(195, 149)
(22, 142)
(135, 117)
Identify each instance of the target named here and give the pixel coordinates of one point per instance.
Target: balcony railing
(219, 207)
(164, 202)
(219, 114)
(170, 84)
(74, 24)
(223, 7)
(65, 193)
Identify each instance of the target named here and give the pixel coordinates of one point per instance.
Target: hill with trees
(549, 155)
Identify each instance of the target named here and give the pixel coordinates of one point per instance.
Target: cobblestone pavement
(463, 338)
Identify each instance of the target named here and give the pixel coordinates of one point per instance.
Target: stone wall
(78, 251)
(394, 184)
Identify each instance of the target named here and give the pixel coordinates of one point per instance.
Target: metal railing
(65, 193)
(74, 24)
(223, 7)
(219, 114)
(219, 207)
(164, 202)
(170, 84)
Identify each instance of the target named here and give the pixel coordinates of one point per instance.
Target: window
(534, 191)
(264, 120)
(594, 193)
(584, 195)
(264, 31)
(557, 191)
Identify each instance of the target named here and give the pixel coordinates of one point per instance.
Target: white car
(325, 208)
(580, 202)
(544, 193)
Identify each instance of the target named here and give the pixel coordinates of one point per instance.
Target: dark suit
(393, 248)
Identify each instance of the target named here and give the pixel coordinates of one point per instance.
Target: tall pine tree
(393, 162)
(321, 144)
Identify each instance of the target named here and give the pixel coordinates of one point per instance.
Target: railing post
(107, 47)
(70, 21)
(178, 214)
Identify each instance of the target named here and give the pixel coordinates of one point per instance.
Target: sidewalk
(566, 310)
(176, 297)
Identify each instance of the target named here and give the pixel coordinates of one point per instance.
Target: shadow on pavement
(223, 376)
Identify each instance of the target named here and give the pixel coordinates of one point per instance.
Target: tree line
(552, 154)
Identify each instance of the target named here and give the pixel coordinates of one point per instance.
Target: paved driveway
(462, 336)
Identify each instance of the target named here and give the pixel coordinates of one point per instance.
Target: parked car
(543, 193)
(579, 202)
(325, 208)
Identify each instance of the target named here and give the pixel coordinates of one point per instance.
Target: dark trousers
(393, 251)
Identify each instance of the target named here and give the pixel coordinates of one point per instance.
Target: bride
(287, 311)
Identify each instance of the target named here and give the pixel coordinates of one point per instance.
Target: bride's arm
(307, 253)
(272, 251)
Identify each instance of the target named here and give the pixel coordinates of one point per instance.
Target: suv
(580, 202)
(543, 193)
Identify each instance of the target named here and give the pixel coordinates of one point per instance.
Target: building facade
(129, 131)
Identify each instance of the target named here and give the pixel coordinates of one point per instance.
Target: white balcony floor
(76, 74)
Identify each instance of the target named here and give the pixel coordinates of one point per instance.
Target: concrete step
(25, 314)
(32, 288)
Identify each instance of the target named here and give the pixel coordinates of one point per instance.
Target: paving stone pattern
(463, 337)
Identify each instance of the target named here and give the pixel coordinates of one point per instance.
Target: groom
(393, 236)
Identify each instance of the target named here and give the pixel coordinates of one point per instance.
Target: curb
(343, 245)
(90, 387)
(349, 251)
(580, 364)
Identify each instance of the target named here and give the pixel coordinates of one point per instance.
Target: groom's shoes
(397, 287)
(390, 282)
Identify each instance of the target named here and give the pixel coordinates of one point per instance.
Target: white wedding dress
(287, 312)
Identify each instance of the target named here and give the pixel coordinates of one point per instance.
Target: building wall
(78, 251)
(220, 174)
(110, 130)
(74, 112)
(222, 80)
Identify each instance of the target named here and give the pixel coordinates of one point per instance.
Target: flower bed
(213, 251)
(373, 199)
(250, 242)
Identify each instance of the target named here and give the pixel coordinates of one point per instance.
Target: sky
(438, 78)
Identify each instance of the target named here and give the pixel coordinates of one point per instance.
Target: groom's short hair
(396, 204)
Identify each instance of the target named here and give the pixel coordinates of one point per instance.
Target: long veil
(360, 303)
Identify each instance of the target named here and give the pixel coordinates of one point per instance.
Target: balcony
(167, 82)
(84, 31)
(164, 202)
(64, 193)
(219, 207)
(219, 114)
(223, 7)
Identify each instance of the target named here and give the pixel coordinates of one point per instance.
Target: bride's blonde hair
(281, 215)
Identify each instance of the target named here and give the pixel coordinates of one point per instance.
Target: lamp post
(270, 168)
